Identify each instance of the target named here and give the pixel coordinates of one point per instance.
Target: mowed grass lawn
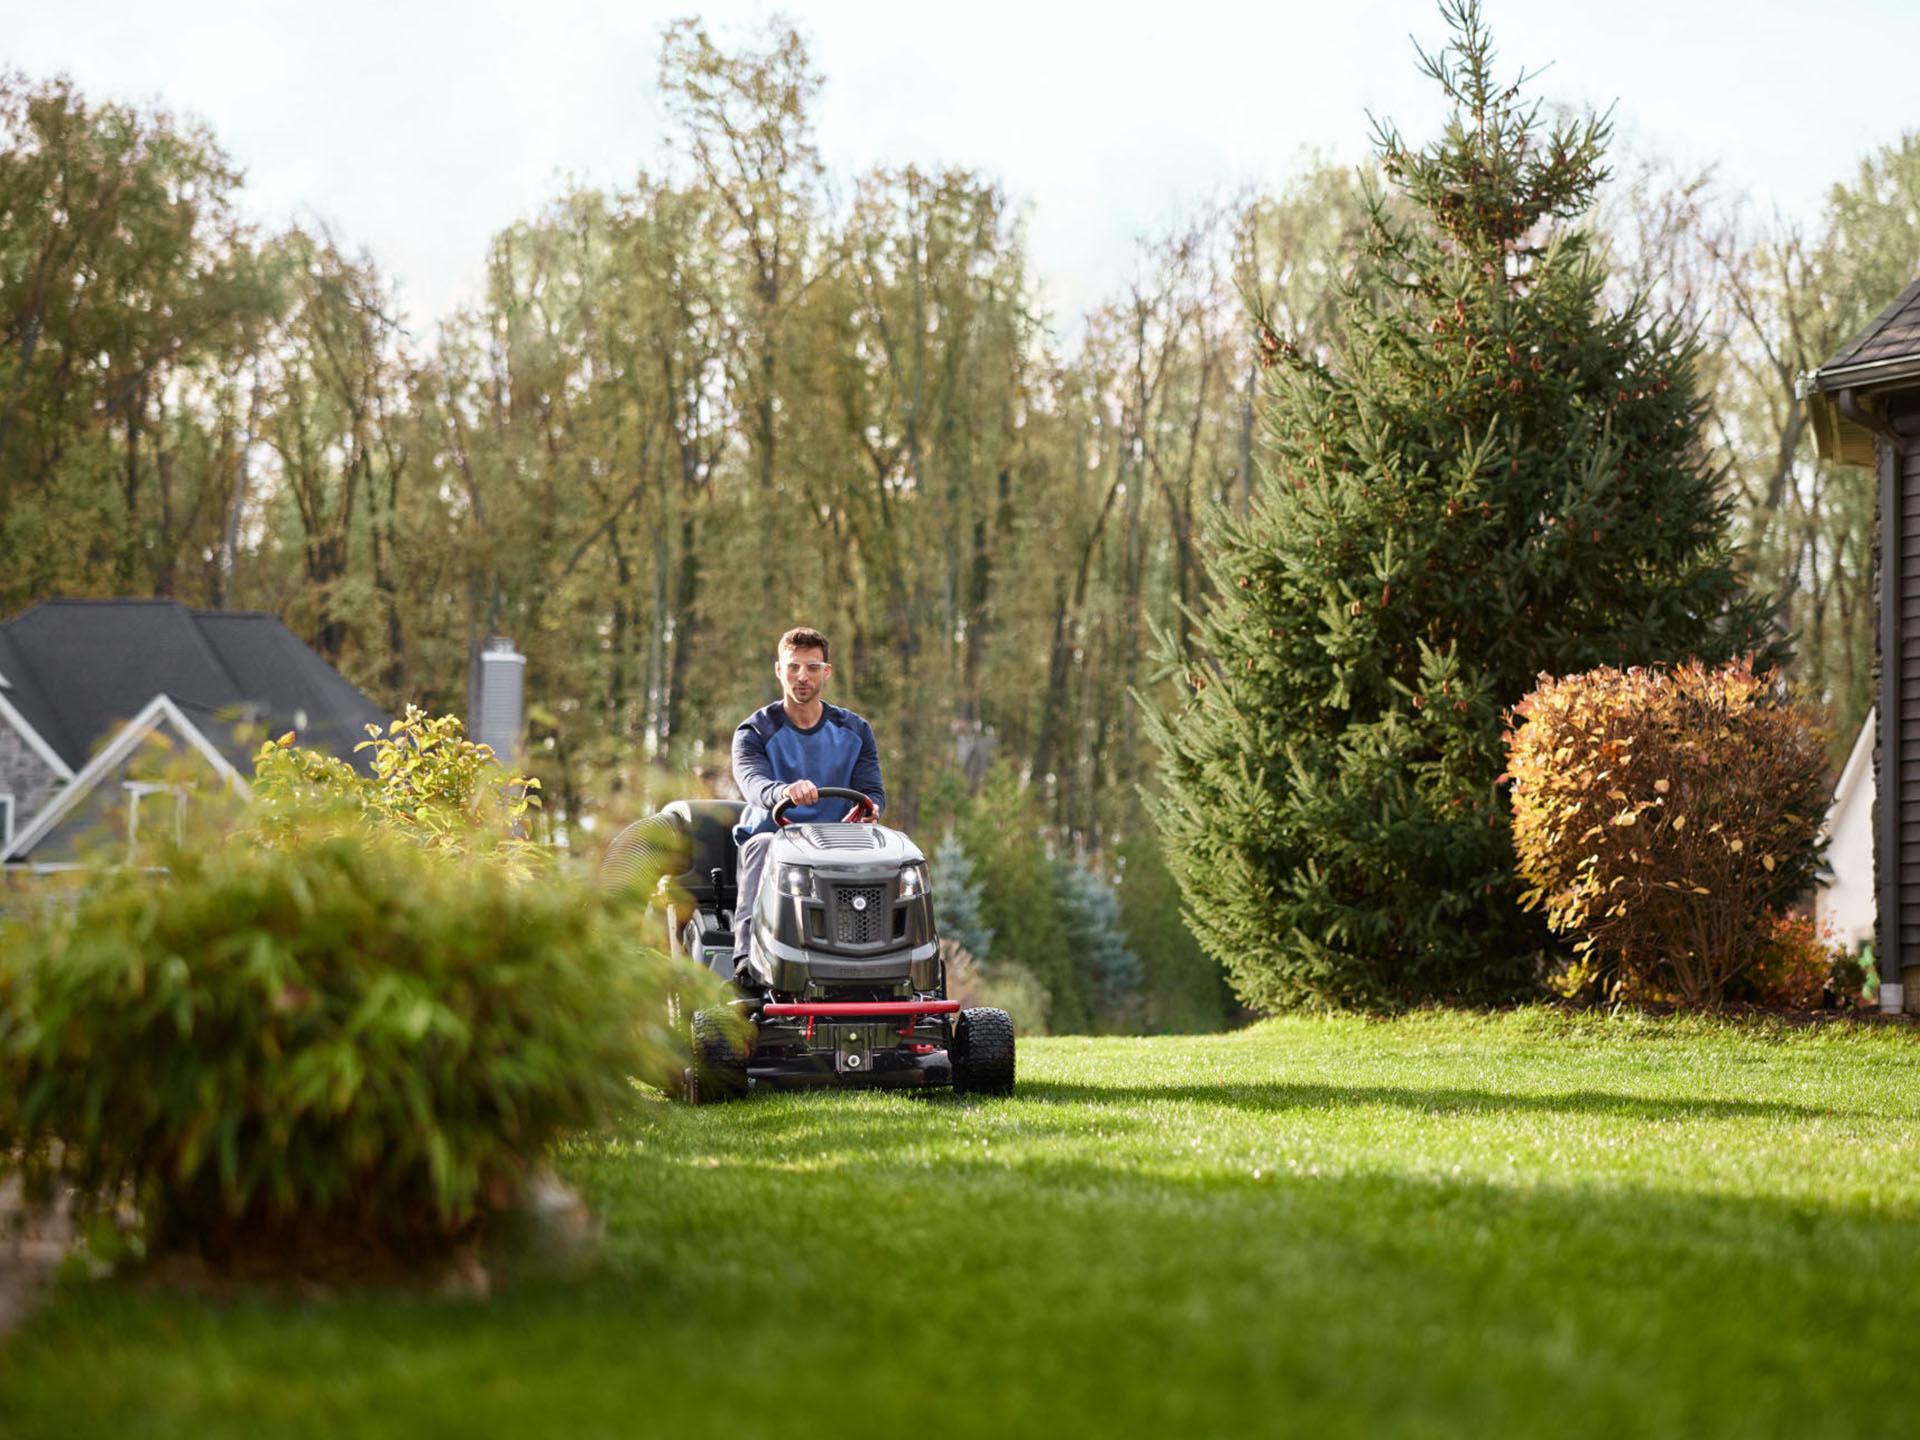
(1528, 1224)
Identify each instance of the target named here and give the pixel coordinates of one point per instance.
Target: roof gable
(35, 741)
(32, 707)
(159, 713)
(81, 668)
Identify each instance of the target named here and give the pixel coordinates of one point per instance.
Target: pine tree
(956, 899)
(1488, 476)
(1111, 971)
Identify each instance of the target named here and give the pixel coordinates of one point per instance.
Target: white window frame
(139, 789)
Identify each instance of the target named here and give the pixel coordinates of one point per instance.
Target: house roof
(27, 701)
(81, 668)
(1889, 348)
(1886, 353)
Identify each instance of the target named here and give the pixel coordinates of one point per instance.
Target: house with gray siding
(1864, 404)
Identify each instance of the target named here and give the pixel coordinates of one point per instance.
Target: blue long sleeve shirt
(770, 752)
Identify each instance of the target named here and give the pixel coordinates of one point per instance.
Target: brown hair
(801, 637)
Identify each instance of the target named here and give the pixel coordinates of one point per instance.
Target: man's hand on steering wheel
(805, 792)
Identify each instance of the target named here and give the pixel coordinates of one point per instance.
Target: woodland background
(743, 393)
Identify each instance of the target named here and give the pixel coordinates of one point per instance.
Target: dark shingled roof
(81, 668)
(25, 697)
(1891, 339)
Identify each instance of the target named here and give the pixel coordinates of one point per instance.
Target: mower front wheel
(982, 1053)
(719, 1070)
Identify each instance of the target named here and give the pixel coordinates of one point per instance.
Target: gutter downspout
(1848, 402)
(1887, 791)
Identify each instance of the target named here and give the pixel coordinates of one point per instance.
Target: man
(789, 751)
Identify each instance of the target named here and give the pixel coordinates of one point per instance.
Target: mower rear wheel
(982, 1053)
(719, 1067)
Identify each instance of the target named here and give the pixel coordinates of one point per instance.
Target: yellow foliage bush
(1662, 817)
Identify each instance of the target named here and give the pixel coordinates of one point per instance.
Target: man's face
(803, 674)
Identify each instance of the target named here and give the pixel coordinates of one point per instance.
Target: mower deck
(867, 1044)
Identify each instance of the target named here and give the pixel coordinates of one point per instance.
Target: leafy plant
(351, 1026)
(1796, 967)
(429, 783)
(1661, 817)
(340, 1040)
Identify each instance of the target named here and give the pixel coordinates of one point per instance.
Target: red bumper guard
(826, 1010)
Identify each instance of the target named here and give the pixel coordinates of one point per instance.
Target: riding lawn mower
(843, 983)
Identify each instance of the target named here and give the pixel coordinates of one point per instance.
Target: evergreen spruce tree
(1489, 476)
(956, 899)
(1111, 970)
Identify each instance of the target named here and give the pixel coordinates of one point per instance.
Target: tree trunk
(129, 548)
(686, 597)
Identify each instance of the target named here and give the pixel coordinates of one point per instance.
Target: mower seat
(690, 843)
(710, 879)
(712, 859)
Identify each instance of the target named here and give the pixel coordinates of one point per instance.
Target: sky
(416, 129)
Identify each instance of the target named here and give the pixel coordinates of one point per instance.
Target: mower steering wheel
(863, 810)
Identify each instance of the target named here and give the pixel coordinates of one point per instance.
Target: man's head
(802, 666)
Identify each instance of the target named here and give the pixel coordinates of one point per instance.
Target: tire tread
(719, 1069)
(983, 1053)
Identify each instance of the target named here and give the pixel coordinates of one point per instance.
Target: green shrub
(342, 1040)
(430, 784)
(1662, 818)
(1005, 838)
(348, 1029)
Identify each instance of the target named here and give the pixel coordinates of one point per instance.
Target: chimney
(499, 699)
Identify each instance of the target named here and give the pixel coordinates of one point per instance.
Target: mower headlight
(913, 881)
(796, 880)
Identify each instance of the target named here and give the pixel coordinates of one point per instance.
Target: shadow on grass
(1103, 1132)
(848, 1125)
(1275, 1096)
(1354, 1306)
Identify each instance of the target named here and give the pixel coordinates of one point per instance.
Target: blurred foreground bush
(320, 1035)
(430, 785)
(1664, 818)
